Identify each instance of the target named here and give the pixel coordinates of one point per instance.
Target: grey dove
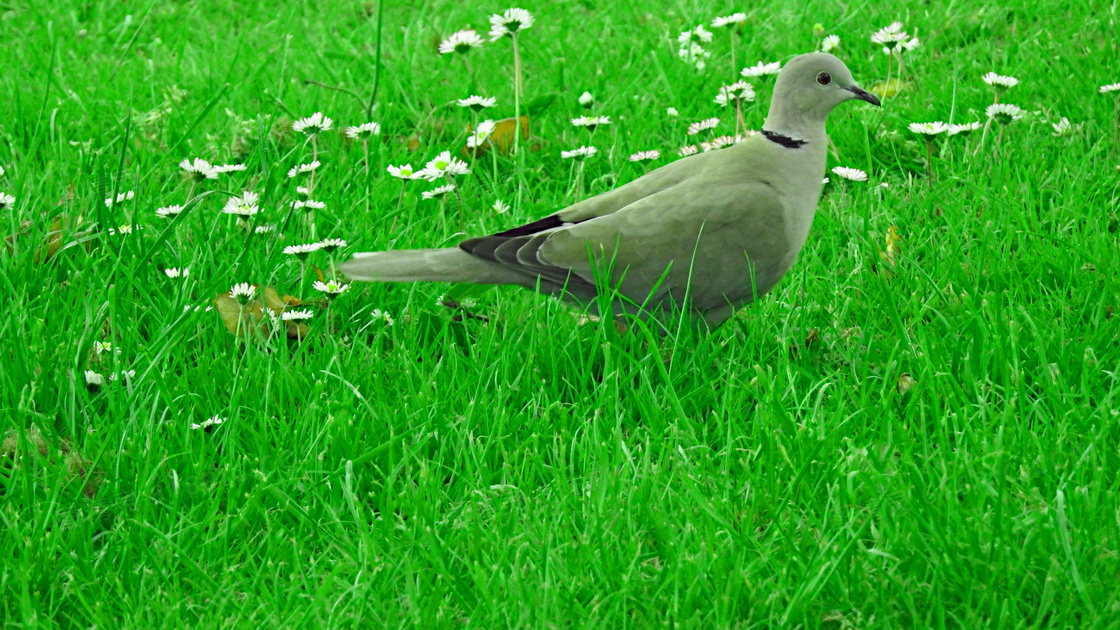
(707, 233)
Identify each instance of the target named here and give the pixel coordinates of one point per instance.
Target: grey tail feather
(449, 264)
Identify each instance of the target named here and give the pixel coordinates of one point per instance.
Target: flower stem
(516, 94)
(365, 151)
(400, 204)
(517, 115)
(1116, 123)
(733, 65)
(311, 182)
(887, 85)
(579, 179)
(460, 198)
(929, 159)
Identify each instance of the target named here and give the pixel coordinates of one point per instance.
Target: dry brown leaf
(52, 240)
(239, 319)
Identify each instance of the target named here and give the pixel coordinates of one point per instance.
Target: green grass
(529, 471)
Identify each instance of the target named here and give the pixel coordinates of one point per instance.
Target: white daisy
(229, 168)
(672, 112)
(929, 128)
(1062, 127)
(481, 134)
(402, 172)
(7, 201)
(175, 272)
(1111, 87)
(761, 69)
(124, 228)
(477, 103)
(198, 170)
(582, 152)
(964, 128)
(303, 168)
(2, 171)
(301, 251)
(890, 37)
(737, 91)
(363, 131)
(331, 287)
(853, 174)
(93, 379)
(309, 203)
(586, 99)
(297, 315)
(167, 212)
(123, 374)
(207, 423)
(999, 81)
(509, 23)
(729, 20)
(591, 122)
(703, 125)
(121, 198)
(303, 191)
(244, 205)
(382, 315)
(263, 229)
(688, 150)
(105, 347)
(722, 141)
(910, 44)
(243, 292)
(698, 35)
(500, 207)
(443, 165)
(830, 43)
(694, 54)
(330, 244)
(313, 124)
(460, 42)
(1004, 113)
(645, 156)
(438, 192)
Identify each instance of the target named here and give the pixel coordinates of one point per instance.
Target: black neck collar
(785, 141)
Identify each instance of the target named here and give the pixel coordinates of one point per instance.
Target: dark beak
(864, 95)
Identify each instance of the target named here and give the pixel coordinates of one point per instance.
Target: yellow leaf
(894, 248)
(239, 319)
(501, 138)
(888, 89)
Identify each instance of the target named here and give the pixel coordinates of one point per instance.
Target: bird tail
(433, 265)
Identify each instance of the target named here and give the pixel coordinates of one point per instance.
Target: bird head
(807, 90)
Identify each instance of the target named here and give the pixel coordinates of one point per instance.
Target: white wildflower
(509, 23)
(461, 42)
(313, 124)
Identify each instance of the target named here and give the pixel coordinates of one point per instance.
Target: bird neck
(791, 130)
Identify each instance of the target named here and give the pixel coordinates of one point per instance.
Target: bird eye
(824, 78)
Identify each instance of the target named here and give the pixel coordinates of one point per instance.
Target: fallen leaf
(888, 89)
(52, 240)
(501, 138)
(894, 248)
(906, 383)
(254, 315)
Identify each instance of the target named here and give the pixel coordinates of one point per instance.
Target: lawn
(919, 427)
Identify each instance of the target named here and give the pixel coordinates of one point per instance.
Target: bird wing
(698, 232)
